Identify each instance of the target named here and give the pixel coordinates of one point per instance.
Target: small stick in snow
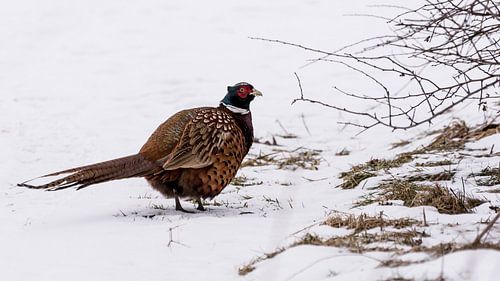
(305, 124)
(171, 239)
(477, 241)
(282, 127)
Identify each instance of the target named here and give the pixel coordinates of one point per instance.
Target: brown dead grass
(364, 222)
(456, 134)
(492, 177)
(402, 242)
(354, 177)
(453, 136)
(445, 201)
(386, 241)
(303, 158)
(398, 242)
(358, 173)
(343, 152)
(485, 131)
(400, 144)
(245, 181)
(442, 176)
(435, 163)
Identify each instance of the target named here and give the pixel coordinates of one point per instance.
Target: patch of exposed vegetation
(485, 131)
(385, 241)
(354, 177)
(453, 136)
(445, 200)
(492, 177)
(288, 136)
(244, 270)
(385, 164)
(442, 176)
(435, 163)
(303, 158)
(245, 181)
(457, 134)
(343, 152)
(401, 243)
(395, 263)
(358, 173)
(409, 240)
(367, 199)
(400, 144)
(403, 236)
(365, 222)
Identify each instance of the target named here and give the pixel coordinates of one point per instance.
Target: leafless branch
(460, 39)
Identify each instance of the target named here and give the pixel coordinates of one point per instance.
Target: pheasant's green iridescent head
(240, 95)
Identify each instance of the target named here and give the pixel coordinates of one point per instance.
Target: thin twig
(490, 225)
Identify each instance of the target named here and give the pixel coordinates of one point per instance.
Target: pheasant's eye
(243, 92)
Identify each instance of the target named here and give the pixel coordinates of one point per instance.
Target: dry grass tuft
(343, 152)
(301, 157)
(394, 263)
(245, 181)
(400, 279)
(447, 248)
(435, 164)
(307, 159)
(442, 176)
(397, 242)
(361, 242)
(244, 270)
(390, 241)
(361, 172)
(457, 134)
(365, 222)
(452, 137)
(492, 174)
(485, 131)
(384, 164)
(400, 144)
(446, 201)
(354, 177)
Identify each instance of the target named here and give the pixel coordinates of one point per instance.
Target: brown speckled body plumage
(203, 159)
(194, 154)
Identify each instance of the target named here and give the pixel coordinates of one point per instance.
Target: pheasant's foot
(200, 205)
(178, 206)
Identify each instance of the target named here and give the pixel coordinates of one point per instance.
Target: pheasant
(194, 154)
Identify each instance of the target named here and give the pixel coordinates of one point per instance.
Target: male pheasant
(194, 154)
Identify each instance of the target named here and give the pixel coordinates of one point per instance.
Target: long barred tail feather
(80, 177)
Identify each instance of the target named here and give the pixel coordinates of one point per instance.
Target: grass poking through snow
(303, 158)
(358, 173)
(445, 200)
(365, 222)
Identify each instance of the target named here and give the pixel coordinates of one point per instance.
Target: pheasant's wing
(202, 139)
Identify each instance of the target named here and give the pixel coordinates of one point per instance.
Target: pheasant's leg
(178, 205)
(200, 205)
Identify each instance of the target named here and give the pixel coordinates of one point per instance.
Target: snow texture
(87, 81)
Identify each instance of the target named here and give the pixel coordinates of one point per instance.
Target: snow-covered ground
(87, 81)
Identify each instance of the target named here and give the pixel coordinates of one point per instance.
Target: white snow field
(87, 81)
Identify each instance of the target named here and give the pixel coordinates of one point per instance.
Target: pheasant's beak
(256, 93)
